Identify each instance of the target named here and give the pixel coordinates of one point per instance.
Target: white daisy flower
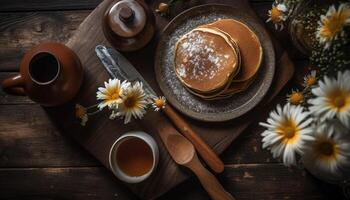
(328, 156)
(112, 93)
(134, 103)
(332, 98)
(158, 103)
(310, 79)
(288, 129)
(278, 15)
(331, 25)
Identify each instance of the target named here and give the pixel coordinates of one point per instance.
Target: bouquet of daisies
(124, 100)
(318, 133)
(314, 125)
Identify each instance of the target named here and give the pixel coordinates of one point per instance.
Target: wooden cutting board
(100, 132)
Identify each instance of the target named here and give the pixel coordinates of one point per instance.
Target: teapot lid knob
(126, 14)
(126, 18)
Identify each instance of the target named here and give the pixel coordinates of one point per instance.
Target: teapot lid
(126, 18)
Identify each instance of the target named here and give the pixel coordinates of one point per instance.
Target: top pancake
(248, 43)
(205, 59)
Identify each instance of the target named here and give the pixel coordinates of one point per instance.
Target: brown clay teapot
(128, 24)
(50, 74)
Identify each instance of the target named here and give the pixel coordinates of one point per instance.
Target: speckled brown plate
(176, 93)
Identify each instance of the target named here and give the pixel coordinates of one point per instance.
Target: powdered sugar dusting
(198, 50)
(182, 71)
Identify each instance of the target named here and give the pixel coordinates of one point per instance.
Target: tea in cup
(133, 157)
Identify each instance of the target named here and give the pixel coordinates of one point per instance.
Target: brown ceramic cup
(50, 74)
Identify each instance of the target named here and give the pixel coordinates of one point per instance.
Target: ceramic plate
(192, 106)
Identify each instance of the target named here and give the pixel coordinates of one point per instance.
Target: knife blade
(119, 67)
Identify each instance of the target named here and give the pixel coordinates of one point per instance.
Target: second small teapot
(128, 24)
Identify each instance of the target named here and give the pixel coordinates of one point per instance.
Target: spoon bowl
(181, 149)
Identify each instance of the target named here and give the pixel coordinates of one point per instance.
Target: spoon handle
(207, 153)
(209, 181)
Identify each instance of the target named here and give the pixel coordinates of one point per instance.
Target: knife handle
(207, 153)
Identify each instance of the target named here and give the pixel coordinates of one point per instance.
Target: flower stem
(92, 106)
(93, 113)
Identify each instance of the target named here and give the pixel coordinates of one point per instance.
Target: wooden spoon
(203, 149)
(183, 153)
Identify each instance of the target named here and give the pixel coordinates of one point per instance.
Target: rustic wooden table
(38, 162)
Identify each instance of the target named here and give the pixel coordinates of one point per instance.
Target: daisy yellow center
(131, 101)
(311, 80)
(296, 98)
(327, 149)
(333, 25)
(275, 15)
(339, 100)
(289, 131)
(114, 94)
(159, 103)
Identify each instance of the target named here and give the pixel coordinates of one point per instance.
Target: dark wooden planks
(24, 5)
(61, 183)
(254, 181)
(262, 181)
(29, 139)
(21, 31)
(247, 148)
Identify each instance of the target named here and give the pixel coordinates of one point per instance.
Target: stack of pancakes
(217, 60)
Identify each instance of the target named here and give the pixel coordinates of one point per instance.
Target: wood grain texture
(51, 183)
(99, 134)
(252, 181)
(21, 31)
(23, 5)
(29, 139)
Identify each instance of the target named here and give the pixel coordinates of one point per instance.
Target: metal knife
(119, 67)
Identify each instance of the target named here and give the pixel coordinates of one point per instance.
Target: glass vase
(303, 23)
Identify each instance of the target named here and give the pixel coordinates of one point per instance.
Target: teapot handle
(14, 85)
